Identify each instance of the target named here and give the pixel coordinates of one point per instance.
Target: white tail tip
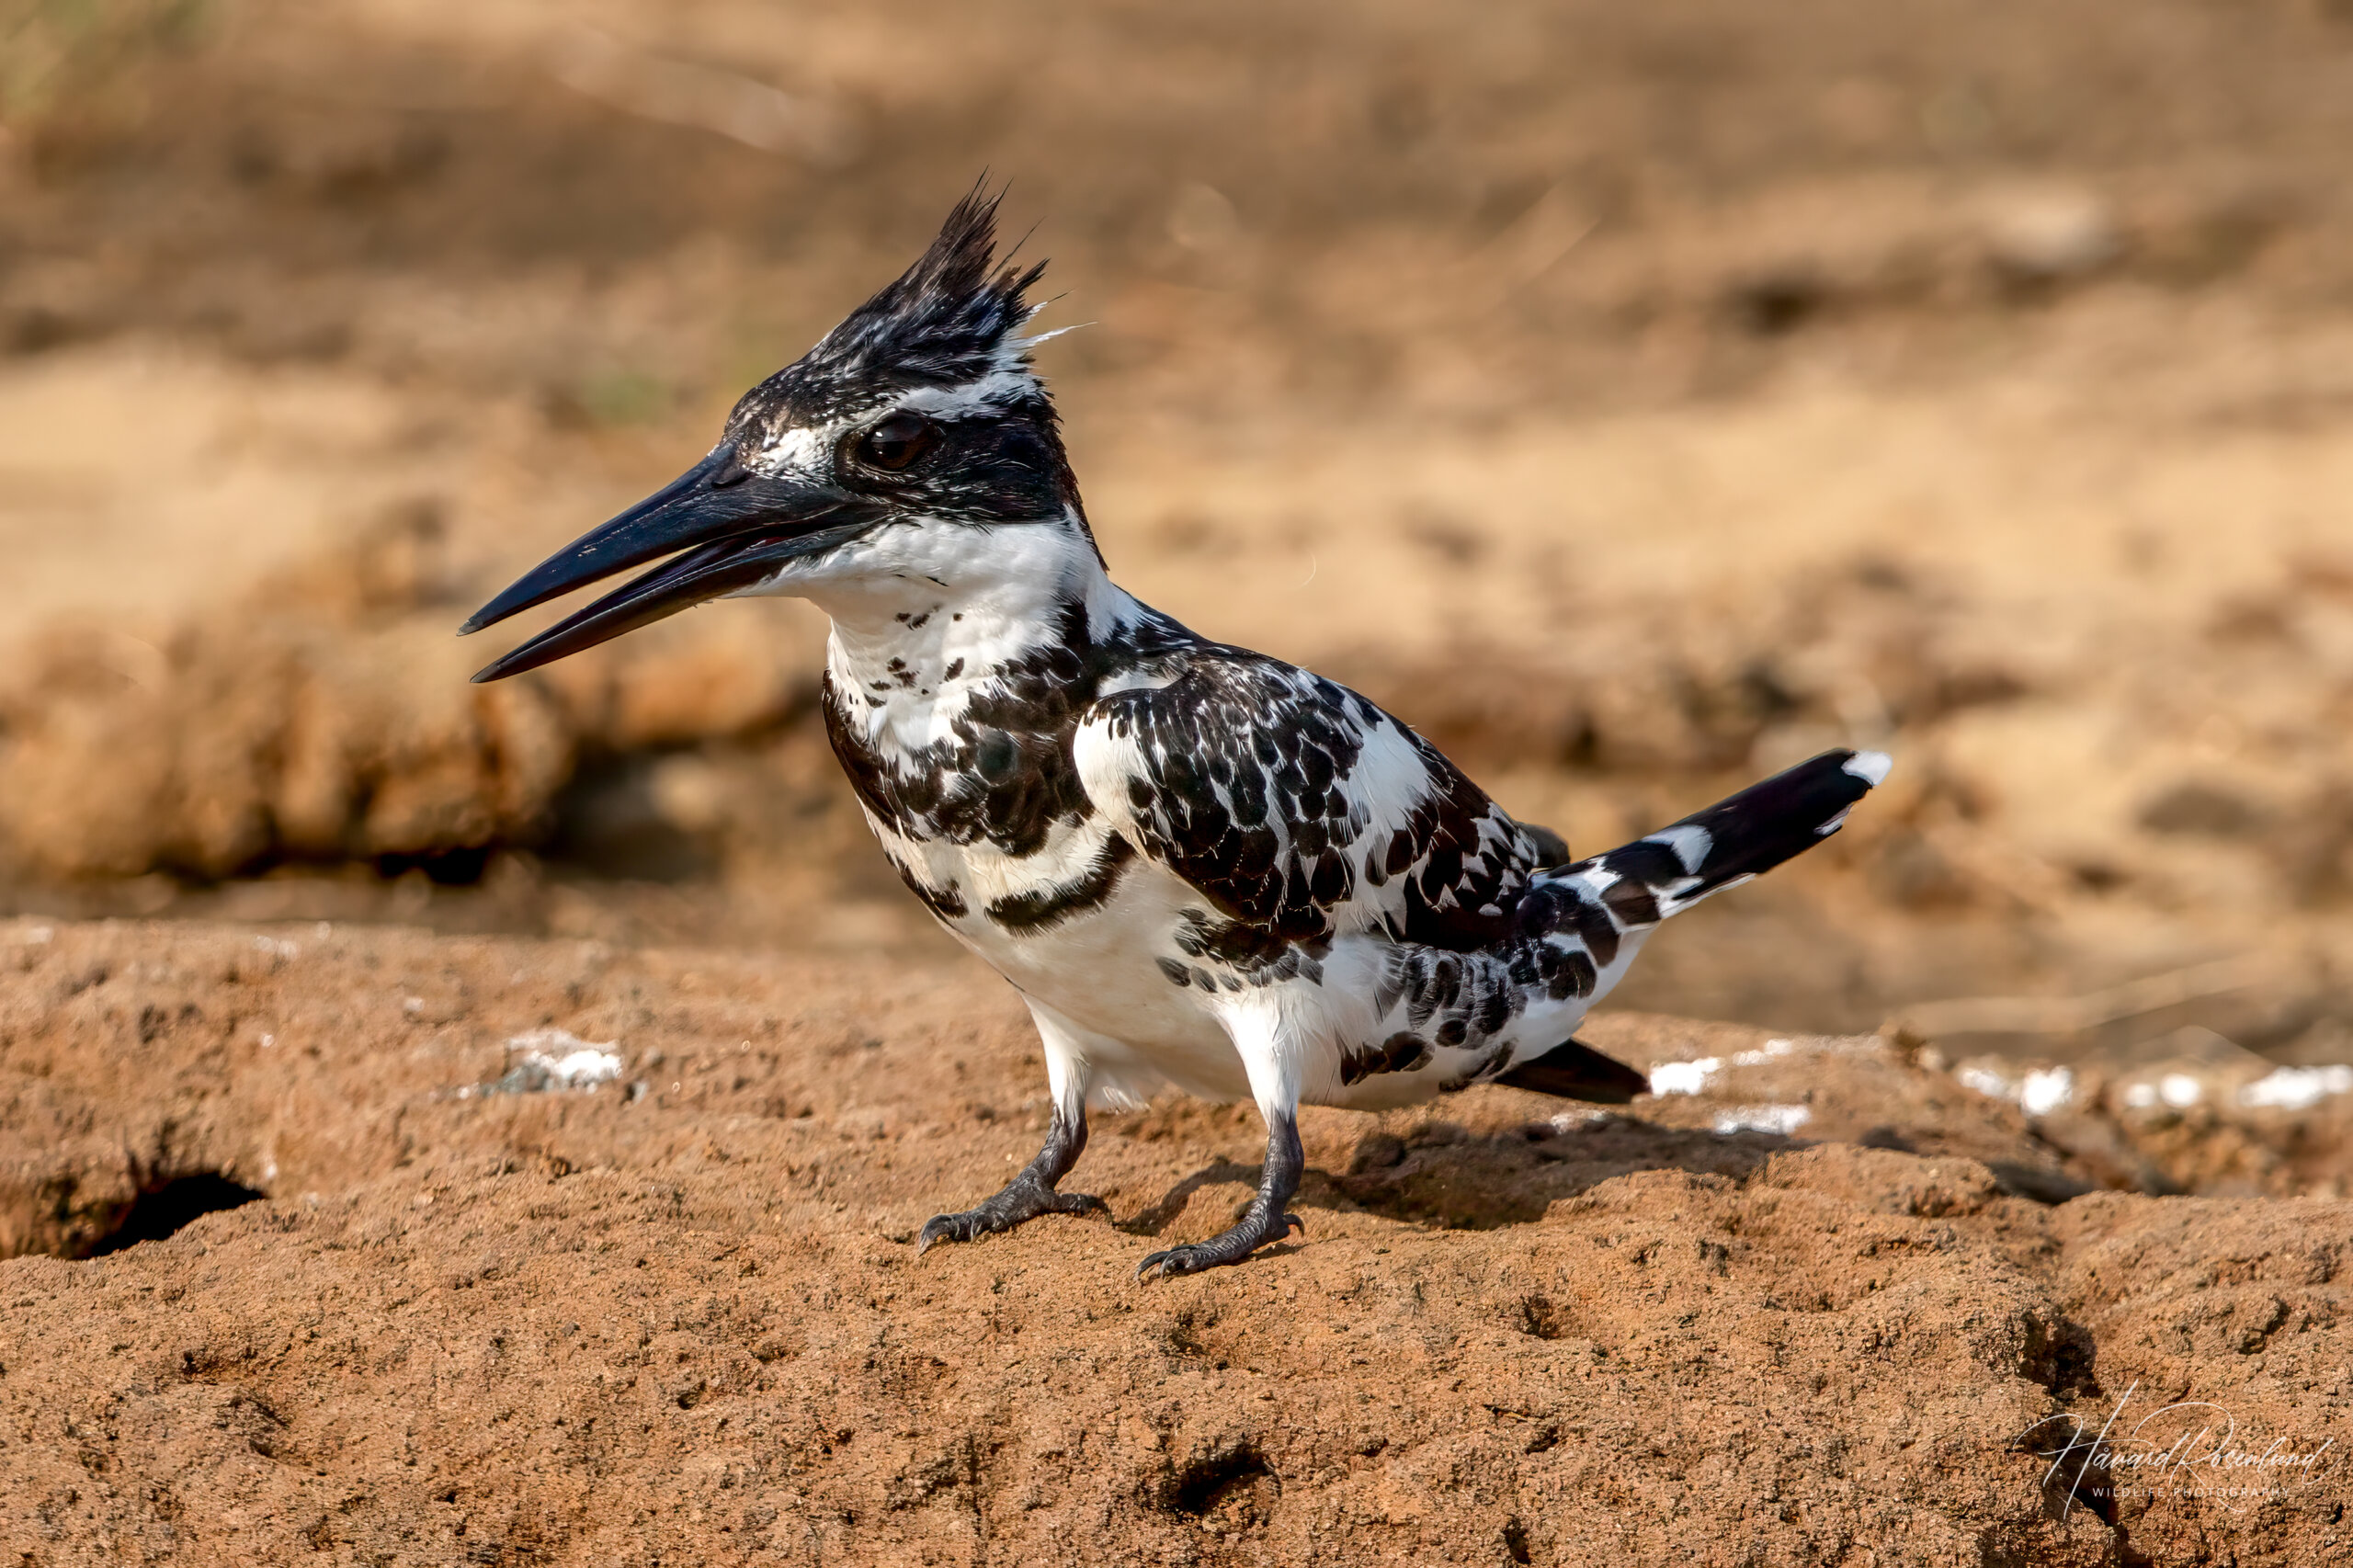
(1871, 767)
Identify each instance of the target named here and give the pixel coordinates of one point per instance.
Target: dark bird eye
(897, 441)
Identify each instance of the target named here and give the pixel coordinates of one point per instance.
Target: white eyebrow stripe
(810, 448)
(988, 394)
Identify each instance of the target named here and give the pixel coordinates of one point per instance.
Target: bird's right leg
(1270, 1046)
(1267, 1220)
(1032, 1193)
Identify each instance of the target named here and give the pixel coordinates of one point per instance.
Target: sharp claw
(939, 1228)
(975, 1223)
(1178, 1260)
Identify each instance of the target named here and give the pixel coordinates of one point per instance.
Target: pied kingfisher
(1202, 868)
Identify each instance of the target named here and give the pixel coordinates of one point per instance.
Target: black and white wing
(1300, 811)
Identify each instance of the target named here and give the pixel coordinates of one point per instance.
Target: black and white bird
(1203, 868)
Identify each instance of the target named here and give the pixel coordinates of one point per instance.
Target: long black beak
(734, 526)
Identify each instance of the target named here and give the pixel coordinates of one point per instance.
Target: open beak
(734, 528)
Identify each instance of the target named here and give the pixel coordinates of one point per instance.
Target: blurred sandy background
(1635, 399)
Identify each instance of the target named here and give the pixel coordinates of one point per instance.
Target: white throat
(923, 613)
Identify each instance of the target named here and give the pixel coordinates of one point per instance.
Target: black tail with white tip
(1607, 905)
(1666, 873)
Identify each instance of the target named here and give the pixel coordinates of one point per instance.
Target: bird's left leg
(1032, 1193)
(1269, 1046)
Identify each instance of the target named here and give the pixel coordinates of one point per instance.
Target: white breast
(1096, 968)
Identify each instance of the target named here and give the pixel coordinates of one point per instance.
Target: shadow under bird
(1203, 868)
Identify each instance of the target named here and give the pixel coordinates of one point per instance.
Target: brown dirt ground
(1633, 398)
(678, 1317)
(1968, 381)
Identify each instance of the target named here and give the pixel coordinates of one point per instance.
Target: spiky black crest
(948, 321)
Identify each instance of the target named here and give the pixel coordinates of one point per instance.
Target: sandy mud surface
(576, 1256)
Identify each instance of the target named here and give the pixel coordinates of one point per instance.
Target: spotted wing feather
(1299, 810)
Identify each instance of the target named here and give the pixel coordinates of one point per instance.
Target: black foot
(1266, 1222)
(1260, 1227)
(1028, 1195)
(1025, 1197)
